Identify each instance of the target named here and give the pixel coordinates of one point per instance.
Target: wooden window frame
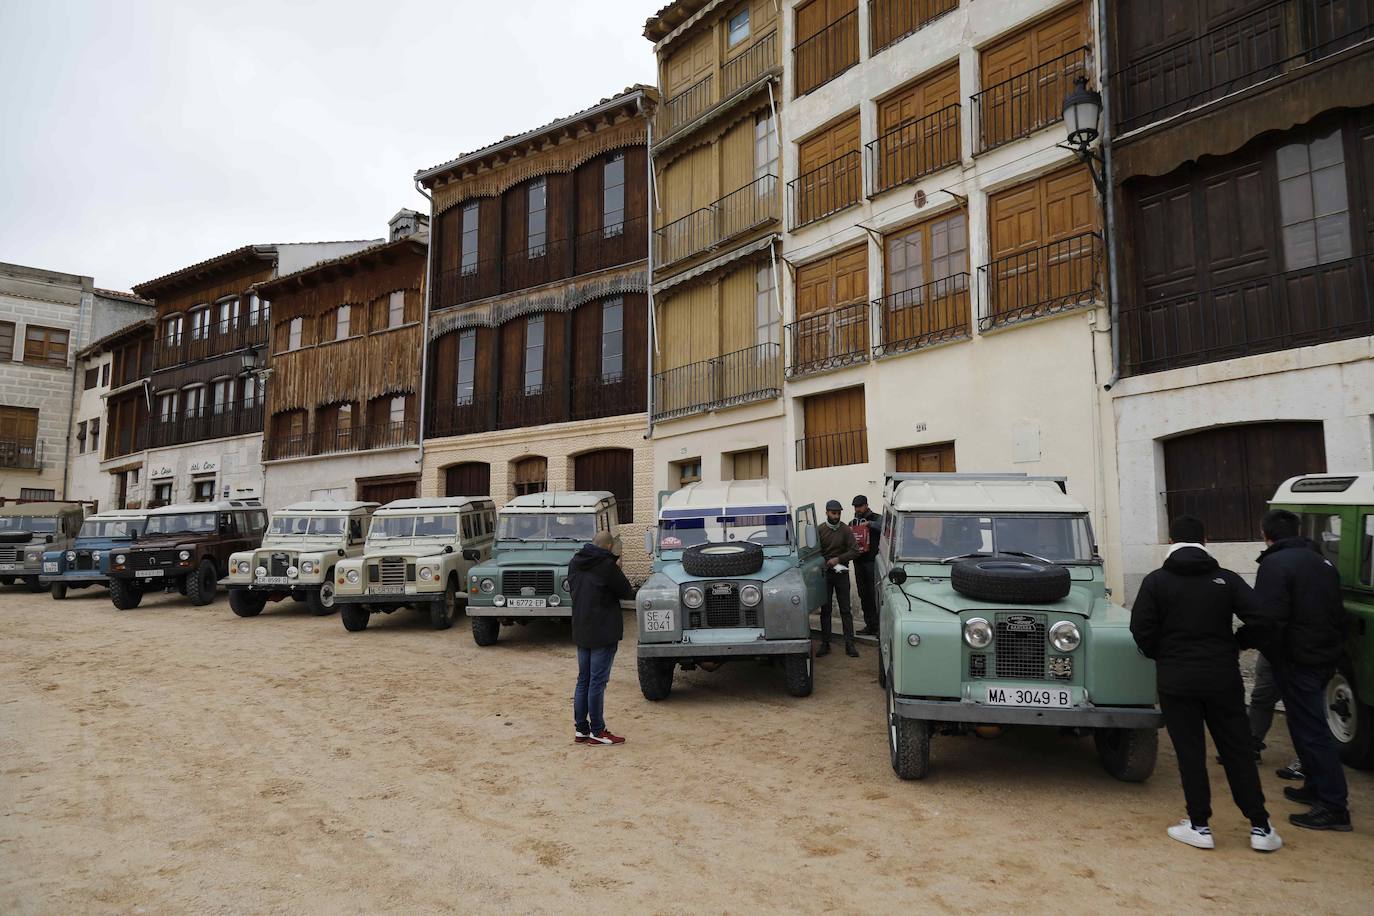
(51, 343)
(7, 329)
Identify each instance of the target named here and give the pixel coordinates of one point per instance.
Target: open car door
(809, 556)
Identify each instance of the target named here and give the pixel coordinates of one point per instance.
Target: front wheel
(124, 594)
(442, 610)
(354, 617)
(1351, 721)
(202, 584)
(322, 602)
(798, 671)
(246, 603)
(59, 590)
(486, 630)
(1128, 754)
(908, 740)
(33, 585)
(6, 580)
(656, 677)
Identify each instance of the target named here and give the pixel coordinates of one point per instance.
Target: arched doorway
(471, 478)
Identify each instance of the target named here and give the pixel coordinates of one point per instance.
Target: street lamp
(1082, 113)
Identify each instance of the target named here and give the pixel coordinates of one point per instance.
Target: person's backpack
(861, 534)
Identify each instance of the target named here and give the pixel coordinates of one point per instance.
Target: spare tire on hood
(15, 537)
(1010, 580)
(720, 561)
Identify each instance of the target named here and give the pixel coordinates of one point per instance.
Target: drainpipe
(1109, 195)
(652, 342)
(71, 397)
(422, 394)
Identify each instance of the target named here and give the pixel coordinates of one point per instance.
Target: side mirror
(48, 540)
(448, 548)
(471, 554)
(897, 576)
(133, 535)
(342, 552)
(649, 542)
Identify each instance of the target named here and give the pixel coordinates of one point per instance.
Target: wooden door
(829, 170)
(1040, 248)
(472, 478)
(613, 470)
(1021, 88)
(925, 459)
(925, 281)
(832, 320)
(688, 65)
(919, 99)
(387, 491)
(835, 429)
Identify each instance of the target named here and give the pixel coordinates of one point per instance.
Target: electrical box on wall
(1025, 441)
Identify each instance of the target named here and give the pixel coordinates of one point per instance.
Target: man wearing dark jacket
(1304, 590)
(865, 565)
(598, 586)
(1182, 619)
(839, 549)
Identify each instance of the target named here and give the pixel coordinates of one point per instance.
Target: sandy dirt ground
(175, 759)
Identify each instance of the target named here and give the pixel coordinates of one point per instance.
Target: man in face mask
(839, 549)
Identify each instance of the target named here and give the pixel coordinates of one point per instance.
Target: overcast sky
(145, 135)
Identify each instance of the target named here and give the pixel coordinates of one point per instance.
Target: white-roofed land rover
(527, 576)
(27, 530)
(994, 613)
(296, 559)
(736, 574)
(417, 555)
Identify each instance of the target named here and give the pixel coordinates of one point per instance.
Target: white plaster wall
(86, 480)
(1333, 383)
(295, 480)
(237, 462)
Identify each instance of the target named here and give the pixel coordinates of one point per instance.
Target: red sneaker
(581, 737)
(605, 737)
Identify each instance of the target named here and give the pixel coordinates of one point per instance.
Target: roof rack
(1020, 477)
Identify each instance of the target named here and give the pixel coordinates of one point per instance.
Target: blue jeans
(589, 699)
(1304, 701)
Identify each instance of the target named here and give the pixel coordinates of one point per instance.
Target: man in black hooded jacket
(598, 586)
(1304, 589)
(1182, 619)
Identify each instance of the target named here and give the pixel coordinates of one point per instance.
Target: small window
(226, 315)
(534, 354)
(355, 529)
(396, 413)
(488, 521)
(203, 491)
(343, 314)
(81, 438)
(467, 366)
(105, 376)
(1324, 530)
(6, 340)
(613, 196)
(31, 494)
(765, 152)
(396, 309)
(95, 435)
(612, 339)
(252, 392)
(45, 346)
(222, 396)
(1314, 202)
(467, 526)
(688, 471)
(257, 309)
(162, 494)
(536, 238)
(471, 225)
(295, 331)
(766, 330)
(91, 380)
(200, 323)
(1367, 552)
(738, 27)
(171, 331)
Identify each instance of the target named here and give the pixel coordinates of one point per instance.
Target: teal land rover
(1337, 512)
(995, 613)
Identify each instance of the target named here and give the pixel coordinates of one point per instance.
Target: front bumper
(719, 649)
(267, 588)
(21, 570)
(519, 613)
(391, 600)
(1084, 716)
(75, 577)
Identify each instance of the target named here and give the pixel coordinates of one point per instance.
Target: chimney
(407, 223)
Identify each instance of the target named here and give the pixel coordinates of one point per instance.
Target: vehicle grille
(152, 560)
(277, 563)
(722, 608)
(392, 571)
(83, 560)
(978, 665)
(1019, 646)
(10, 554)
(514, 580)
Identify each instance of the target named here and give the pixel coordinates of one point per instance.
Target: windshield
(111, 528)
(522, 527)
(323, 526)
(764, 530)
(419, 526)
(1061, 538)
(28, 523)
(190, 523)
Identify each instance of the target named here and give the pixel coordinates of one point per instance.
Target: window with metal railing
(914, 149)
(831, 450)
(819, 58)
(889, 21)
(743, 209)
(1050, 278)
(928, 314)
(829, 339)
(684, 106)
(1027, 102)
(751, 374)
(828, 189)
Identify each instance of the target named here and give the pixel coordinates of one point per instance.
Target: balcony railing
(1332, 301)
(739, 211)
(1238, 54)
(832, 450)
(749, 64)
(914, 149)
(1027, 102)
(132, 370)
(608, 396)
(829, 339)
(537, 265)
(828, 53)
(612, 245)
(341, 439)
(203, 423)
(929, 314)
(686, 105)
(461, 417)
(890, 21)
(466, 284)
(215, 339)
(1042, 281)
(752, 374)
(125, 439)
(19, 453)
(825, 190)
(582, 399)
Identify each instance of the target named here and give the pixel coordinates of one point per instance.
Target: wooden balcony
(746, 208)
(216, 339)
(825, 190)
(581, 399)
(337, 441)
(889, 21)
(914, 149)
(751, 374)
(1027, 102)
(831, 51)
(202, 424)
(1042, 281)
(737, 74)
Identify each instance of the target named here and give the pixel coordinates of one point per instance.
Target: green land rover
(995, 613)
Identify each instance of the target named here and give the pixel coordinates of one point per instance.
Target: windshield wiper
(1031, 556)
(965, 556)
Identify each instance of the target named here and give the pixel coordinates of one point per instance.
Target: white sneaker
(1265, 839)
(1200, 837)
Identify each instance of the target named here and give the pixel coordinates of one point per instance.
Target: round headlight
(499, 601)
(352, 577)
(95, 555)
(261, 570)
(978, 633)
(693, 597)
(185, 555)
(564, 585)
(554, 601)
(292, 572)
(1064, 636)
(487, 586)
(71, 556)
(119, 558)
(749, 595)
(307, 567)
(426, 573)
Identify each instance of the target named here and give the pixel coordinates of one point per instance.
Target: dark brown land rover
(185, 548)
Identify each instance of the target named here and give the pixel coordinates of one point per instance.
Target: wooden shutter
(926, 459)
(1042, 210)
(926, 96)
(450, 238)
(590, 178)
(839, 279)
(611, 469)
(840, 138)
(834, 426)
(472, 478)
(1029, 48)
(751, 465)
(689, 64)
(530, 475)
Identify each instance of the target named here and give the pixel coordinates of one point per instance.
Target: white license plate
(527, 602)
(387, 590)
(1044, 697)
(6, 567)
(271, 580)
(50, 567)
(148, 573)
(658, 620)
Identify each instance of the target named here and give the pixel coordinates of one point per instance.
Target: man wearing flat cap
(839, 549)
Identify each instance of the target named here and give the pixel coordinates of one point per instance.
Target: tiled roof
(670, 17)
(420, 239)
(124, 297)
(621, 96)
(127, 330)
(148, 288)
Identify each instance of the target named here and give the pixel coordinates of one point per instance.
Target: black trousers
(1304, 700)
(838, 583)
(1223, 714)
(864, 571)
